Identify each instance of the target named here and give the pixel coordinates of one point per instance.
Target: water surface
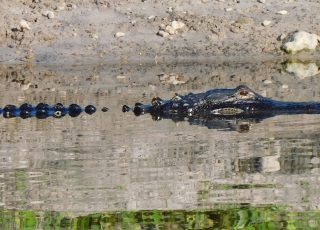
(115, 170)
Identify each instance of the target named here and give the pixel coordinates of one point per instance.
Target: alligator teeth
(227, 111)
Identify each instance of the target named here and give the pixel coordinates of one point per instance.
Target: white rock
(162, 26)
(61, 7)
(315, 160)
(120, 34)
(266, 22)
(262, 1)
(48, 14)
(281, 37)
(285, 86)
(170, 30)
(172, 79)
(228, 9)
(302, 70)
(151, 17)
(282, 12)
(162, 33)
(24, 25)
(267, 82)
(301, 40)
(176, 25)
(270, 164)
(94, 36)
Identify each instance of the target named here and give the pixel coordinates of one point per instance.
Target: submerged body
(238, 103)
(43, 110)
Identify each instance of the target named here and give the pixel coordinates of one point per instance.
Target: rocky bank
(112, 31)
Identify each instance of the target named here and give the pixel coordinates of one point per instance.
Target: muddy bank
(70, 32)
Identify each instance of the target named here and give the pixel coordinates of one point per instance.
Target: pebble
(162, 33)
(73, 6)
(170, 30)
(151, 17)
(284, 86)
(301, 40)
(176, 25)
(162, 26)
(282, 12)
(119, 34)
(105, 109)
(262, 1)
(266, 22)
(172, 79)
(94, 36)
(48, 14)
(267, 82)
(281, 37)
(24, 25)
(61, 7)
(121, 77)
(228, 9)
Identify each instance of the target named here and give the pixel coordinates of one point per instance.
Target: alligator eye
(243, 92)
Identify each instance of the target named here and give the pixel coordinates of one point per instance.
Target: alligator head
(237, 103)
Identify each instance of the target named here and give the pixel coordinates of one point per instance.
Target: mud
(84, 32)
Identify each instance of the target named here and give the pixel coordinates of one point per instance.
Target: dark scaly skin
(42, 111)
(217, 106)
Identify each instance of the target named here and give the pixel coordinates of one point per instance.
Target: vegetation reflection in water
(266, 217)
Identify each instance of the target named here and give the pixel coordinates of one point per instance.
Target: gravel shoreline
(73, 32)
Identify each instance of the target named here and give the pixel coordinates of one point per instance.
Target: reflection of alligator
(218, 108)
(43, 110)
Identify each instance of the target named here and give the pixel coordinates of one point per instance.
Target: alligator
(221, 107)
(43, 110)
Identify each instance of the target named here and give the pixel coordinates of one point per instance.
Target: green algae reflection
(250, 218)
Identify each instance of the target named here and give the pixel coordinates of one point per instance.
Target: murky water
(114, 170)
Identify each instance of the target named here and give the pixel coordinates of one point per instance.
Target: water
(114, 170)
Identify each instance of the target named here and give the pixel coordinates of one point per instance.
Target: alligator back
(43, 110)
